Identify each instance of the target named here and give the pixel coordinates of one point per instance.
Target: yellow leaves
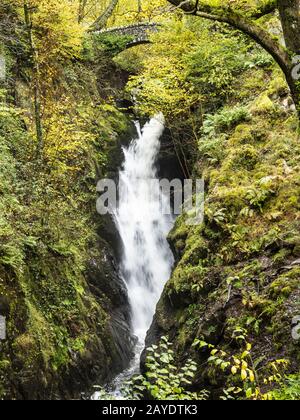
(71, 131)
(276, 371)
(242, 371)
(163, 84)
(127, 12)
(251, 376)
(249, 393)
(244, 374)
(245, 354)
(234, 370)
(57, 35)
(244, 365)
(66, 138)
(267, 397)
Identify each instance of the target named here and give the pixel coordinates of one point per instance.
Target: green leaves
(242, 370)
(111, 44)
(164, 380)
(226, 119)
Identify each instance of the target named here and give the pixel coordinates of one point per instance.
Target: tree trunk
(289, 11)
(81, 10)
(290, 19)
(36, 86)
(295, 91)
(102, 20)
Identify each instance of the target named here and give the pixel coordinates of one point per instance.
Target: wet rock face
(111, 236)
(110, 349)
(169, 165)
(110, 344)
(106, 284)
(4, 306)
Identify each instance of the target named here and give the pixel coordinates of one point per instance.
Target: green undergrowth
(241, 268)
(290, 391)
(48, 225)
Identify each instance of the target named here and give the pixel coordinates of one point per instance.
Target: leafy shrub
(112, 44)
(290, 390)
(244, 377)
(163, 380)
(226, 119)
(214, 64)
(259, 59)
(212, 149)
(260, 193)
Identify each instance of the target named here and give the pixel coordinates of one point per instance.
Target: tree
(244, 16)
(81, 10)
(36, 77)
(53, 36)
(102, 20)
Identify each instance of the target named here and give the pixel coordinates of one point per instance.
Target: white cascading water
(147, 259)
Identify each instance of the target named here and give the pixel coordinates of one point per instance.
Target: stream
(147, 258)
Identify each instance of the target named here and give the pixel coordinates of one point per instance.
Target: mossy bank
(66, 309)
(241, 267)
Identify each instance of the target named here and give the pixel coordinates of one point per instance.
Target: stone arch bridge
(138, 32)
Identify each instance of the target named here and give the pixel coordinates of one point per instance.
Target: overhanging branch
(245, 24)
(191, 7)
(261, 36)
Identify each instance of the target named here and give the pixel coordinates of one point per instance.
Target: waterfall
(143, 227)
(147, 259)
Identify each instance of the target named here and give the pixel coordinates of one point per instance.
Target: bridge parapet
(139, 32)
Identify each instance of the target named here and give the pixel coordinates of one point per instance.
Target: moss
(242, 134)
(278, 86)
(248, 134)
(251, 85)
(263, 106)
(241, 263)
(286, 283)
(245, 156)
(47, 230)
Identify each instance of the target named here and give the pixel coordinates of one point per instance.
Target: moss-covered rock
(240, 268)
(66, 308)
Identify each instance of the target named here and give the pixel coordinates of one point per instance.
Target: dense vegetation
(58, 318)
(223, 326)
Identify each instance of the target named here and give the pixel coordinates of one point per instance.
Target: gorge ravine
(147, 260)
